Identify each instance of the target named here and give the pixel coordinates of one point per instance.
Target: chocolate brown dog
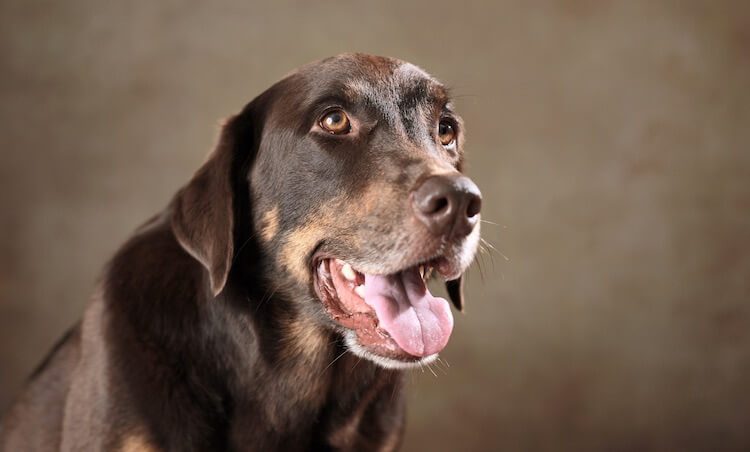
(275, 302)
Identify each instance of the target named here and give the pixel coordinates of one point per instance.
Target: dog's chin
(391, 319)
(350, 339)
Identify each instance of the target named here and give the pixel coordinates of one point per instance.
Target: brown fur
(206, 333)
(270, 224)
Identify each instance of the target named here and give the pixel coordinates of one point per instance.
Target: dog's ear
(204, 211)
(455, 290)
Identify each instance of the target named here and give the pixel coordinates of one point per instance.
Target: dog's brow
(408, 70)
(331, 92)
(410, 75)
(401, 97)
(359, 89)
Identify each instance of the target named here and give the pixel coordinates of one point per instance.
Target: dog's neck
(310, 381)
(245, 364)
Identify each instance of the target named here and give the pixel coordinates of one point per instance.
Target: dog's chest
(341, 407)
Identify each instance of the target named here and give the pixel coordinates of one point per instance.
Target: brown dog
(237, 318)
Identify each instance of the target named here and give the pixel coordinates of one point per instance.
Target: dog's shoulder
(35, 420)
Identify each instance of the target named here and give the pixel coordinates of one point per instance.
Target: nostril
(447, 204)
(438, 205)
(475, 205)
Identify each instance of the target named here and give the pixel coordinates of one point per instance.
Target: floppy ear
(455, 289)
(203, 212)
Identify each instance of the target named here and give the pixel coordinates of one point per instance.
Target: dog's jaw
(369, 330)
(350, 339)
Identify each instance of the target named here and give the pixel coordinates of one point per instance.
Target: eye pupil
(446, 133)
(336, 122)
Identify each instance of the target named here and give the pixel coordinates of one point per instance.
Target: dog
(275, 303)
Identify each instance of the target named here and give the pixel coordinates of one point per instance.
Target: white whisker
(265, 298)
(494, 249)
(334, 360)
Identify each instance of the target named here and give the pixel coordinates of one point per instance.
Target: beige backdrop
(610, 140)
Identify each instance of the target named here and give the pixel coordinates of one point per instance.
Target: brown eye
(336, 122)
(446, 132)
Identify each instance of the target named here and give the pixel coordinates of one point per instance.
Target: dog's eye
(336, 122)
(446, 132)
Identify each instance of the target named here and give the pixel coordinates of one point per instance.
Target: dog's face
(357, 197)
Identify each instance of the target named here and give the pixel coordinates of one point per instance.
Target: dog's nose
(448, 204)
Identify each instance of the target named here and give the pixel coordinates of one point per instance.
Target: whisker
(486, 251)
(492, 258)
(239, 250)
(464, 96)
(334, 360)
(492, 247)
(494, 224)
(441, 368)
(479, 266)
(481, 263)
(265, 298)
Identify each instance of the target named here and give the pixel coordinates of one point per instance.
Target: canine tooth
(360, 290)
(348, 272)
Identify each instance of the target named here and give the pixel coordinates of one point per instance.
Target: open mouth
(393, 316)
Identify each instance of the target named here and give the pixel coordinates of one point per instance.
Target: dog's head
(346, 176)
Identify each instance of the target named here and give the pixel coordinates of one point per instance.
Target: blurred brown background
(610, 139)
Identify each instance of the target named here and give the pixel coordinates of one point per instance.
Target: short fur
(205, 332)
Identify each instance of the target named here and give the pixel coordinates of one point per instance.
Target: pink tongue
(419, 322)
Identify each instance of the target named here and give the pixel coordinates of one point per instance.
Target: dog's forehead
(385, 82)
(398, 78)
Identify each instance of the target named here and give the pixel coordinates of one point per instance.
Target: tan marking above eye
(446, 132)
(136, 442)
(270, 224)
(335, 122)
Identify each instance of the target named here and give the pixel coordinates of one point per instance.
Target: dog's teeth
(421, 271)
(348, 272)
(360, 290)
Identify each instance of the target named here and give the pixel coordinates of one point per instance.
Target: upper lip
(320, 254)
(430, 261)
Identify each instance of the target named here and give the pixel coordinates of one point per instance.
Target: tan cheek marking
(270, 224)
(297, 245)
(376, 198)
(307, 341)
(137, 443)
(305, 346)
(338, 214)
